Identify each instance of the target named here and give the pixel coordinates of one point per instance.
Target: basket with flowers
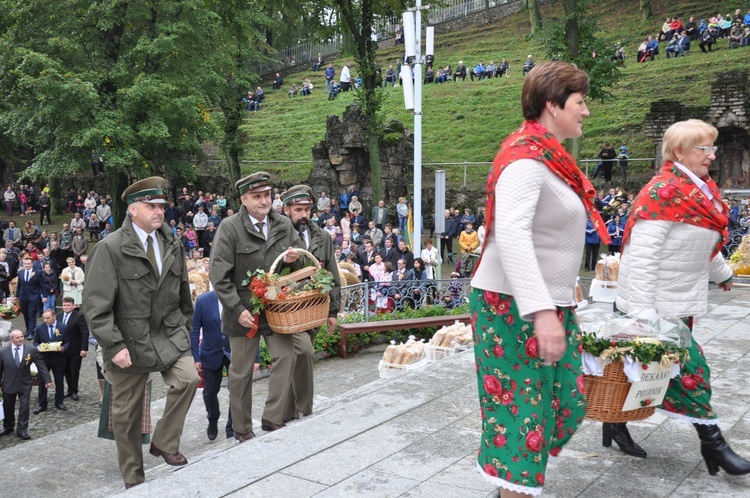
(620, 353)
(8, 312)
(292, 302)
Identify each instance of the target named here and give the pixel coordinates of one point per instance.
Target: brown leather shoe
(270, 426)
(244, 437)
(176, 459)
(129, 485)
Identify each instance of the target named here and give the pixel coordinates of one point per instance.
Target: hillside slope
(465, 121)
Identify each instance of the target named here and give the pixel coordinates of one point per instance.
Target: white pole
(417, 236)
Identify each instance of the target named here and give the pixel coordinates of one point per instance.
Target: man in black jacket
(78, 344)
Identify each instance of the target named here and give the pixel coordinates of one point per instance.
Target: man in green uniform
(297, 206)
(137, 301)
(251, 239)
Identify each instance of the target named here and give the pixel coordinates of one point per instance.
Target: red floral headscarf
(534, 141)
(672, 196)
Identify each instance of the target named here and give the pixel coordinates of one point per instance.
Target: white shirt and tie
(18, 354)
(264, 229)
(143, 237)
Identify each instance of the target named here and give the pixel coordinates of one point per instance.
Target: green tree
(357, 16)
(576, 39)
(132, 80)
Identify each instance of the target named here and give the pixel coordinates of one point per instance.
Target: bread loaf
(600, 267)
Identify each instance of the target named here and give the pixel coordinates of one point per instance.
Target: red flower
(689, 383)
(532, 347)
(669, 406)
(555, 403)
(555, 451)
(667, 191)
(492, 385)
(510, 319)
(492, 298)
(644, 366)
(490, 470)
(506, 398)
(498, 351)
(503, 307)
(534, 441)
(566, 412)
(508, 476)
(579, 382)
(499, 440)
(514, 410)
(540, 478)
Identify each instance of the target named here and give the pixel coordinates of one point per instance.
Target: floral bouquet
(739, 261)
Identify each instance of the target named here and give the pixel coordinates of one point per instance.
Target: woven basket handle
(301, 251)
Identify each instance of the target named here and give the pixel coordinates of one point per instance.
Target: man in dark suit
(52, 331)
(15, 373)
(367, 258)
(401, 291)
(78, 344)
(389, 253)
(29, 293)
(211, 355)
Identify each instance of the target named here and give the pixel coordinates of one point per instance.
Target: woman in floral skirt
(672, 247)
(525, 331)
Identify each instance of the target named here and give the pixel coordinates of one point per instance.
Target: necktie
(51, 333)
(150, 252)
(27, 275)
(260, 228)
(303, 239)
(11, 233)
(65, 318)
(18, 355)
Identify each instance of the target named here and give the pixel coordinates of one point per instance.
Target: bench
(347, 329)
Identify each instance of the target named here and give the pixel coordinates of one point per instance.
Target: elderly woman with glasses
(672, 247)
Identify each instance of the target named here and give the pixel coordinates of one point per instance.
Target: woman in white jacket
(72, 278)
(671, 248)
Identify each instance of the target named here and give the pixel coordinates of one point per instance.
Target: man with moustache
(297, 206)
(139, 309)
(249, 240)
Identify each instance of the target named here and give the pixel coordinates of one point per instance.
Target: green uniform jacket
(128, 306)
(321, 246)
(238, 248)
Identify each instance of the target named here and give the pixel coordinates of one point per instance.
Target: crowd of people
(707, 34)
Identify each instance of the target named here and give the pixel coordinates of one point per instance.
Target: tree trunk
(56, 200)
(571, 27)
(487, 11)
(233, 149)
(118, 182)
(573, 146)
(535, 17)
(646, 12)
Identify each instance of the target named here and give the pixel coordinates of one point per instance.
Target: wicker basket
(299, 313)
(607, 394)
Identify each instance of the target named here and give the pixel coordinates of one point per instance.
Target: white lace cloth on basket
(592, 365)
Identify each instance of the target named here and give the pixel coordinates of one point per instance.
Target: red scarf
(533, 141)
(672, 196)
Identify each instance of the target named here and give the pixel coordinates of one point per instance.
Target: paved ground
(415, 435)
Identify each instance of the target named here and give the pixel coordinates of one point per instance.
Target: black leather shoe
(212, 431)
(61, 406)
(23, 435)
(619, 432)
(230, 433)
(269, 426)
(717, 453)
(39, 410)
(68, 395)
(74, 396)
(5, 432)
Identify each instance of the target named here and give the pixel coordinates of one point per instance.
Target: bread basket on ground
(300, 312)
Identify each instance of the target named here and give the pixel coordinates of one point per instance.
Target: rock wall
(728, 111)
(343, 159)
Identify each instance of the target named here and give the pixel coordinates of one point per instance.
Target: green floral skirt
(689, 394)
(529, 409)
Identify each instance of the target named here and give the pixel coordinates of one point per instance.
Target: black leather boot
(619, 432)
(717, 453)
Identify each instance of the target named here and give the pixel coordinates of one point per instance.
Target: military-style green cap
(146, 190)
(259, 181)
(299, 194)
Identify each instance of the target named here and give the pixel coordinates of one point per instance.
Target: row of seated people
(479, 72)
(679, 44)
